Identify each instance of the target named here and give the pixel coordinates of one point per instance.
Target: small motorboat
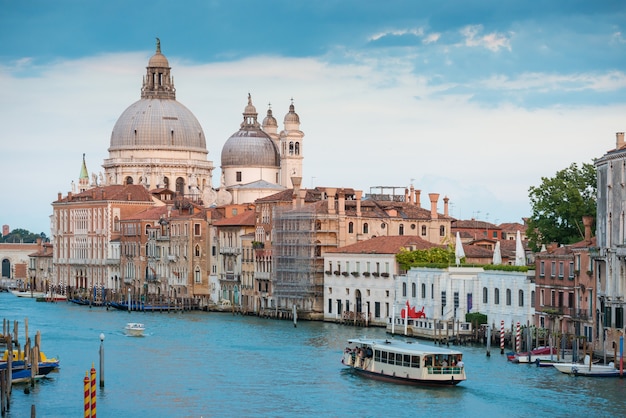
(134, 329)
(588, 369)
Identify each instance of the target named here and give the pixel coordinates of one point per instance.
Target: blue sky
(476, 101)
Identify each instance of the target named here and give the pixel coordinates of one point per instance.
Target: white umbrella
(520, 254)
(458, 249)
(497, 255)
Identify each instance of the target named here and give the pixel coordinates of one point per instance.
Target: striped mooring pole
(93, 391)
(501, 337)
(518, 338)
(87, 395)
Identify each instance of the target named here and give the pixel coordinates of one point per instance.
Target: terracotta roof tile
(386, 245)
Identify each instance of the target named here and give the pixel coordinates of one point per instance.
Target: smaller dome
(158, 60)
(270, 120)
(292, 116)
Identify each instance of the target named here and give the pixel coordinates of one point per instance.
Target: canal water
(199, 364)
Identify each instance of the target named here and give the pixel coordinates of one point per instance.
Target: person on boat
(444, 363)
(460, 363)
(369, 353)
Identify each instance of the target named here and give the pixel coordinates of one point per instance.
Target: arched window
(129, 180)
(521, 297)
(404, 289)
(366, 228)
(401, 229)
(485, 295)
(350, 228)
(297, 148)
(413, 290)
(197, 251)
(318, 225)
(496, 297)
(180, 185)
(423, 290)
(532, 299)
(442, 231)
(291, 148)
(508, 297)
(423, 230)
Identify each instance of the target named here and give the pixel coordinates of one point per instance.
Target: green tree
(22, 236)
(559, 204)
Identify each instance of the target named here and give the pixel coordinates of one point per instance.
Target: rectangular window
(553, 271)
(196, 230)
(561, 269)
(330, 305)
(238, 175)
(542, 269)
(377, 309)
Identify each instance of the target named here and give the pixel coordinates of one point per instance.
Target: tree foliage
(436, 255)
(559, 204)
(22, 236)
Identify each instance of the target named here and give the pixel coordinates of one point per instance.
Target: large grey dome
(250, 145)
(157, 123)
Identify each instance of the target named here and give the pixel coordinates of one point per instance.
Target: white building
(450, 293)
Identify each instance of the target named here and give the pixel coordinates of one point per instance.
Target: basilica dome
(157, 123)
(250, 146)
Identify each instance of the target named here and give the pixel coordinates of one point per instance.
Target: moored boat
(22, 372)
(541, 354)
(134, 329)
(27, 294)
(407, 362)
(588, 369)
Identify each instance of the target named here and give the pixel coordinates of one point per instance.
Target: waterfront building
(359, 279)
(610, 259)
(86, 229)
(565, 288)
(15, 261)
(448, 294)
(40, 267)
(296, 227)
(235, 261)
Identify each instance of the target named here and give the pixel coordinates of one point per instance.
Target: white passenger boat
(406, 362)
(134, 329)
(587, 369)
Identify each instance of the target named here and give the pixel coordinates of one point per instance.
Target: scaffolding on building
(297, 272)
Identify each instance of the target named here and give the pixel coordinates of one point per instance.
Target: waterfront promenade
(200, 364)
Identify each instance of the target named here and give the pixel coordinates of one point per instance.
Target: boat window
(392, 358)
(376, 355)
(415, 361)
(384, 357)
(406, 360)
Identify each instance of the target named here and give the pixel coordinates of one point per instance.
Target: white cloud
(397, 32)
(492, 41)
(361, 129)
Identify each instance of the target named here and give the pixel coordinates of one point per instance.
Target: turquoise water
(199, 364)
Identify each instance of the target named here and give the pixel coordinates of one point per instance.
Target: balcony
(230, 250)
(262, 275)
(172, 258)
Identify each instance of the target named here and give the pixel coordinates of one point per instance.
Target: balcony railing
(230, 250)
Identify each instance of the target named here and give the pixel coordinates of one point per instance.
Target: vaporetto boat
(406, 362)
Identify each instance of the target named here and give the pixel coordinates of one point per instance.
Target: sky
(476, 101)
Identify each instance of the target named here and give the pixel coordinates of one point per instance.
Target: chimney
(330, 196)
(359, 194)
(433, 205)
(59, 196)
(295, 197)
(407, 196)
(342, 202)
(412, 194)
(69, 196)
(128, 196)
(418, 199)
(445, 206)
(587, 222)
(620, 140)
